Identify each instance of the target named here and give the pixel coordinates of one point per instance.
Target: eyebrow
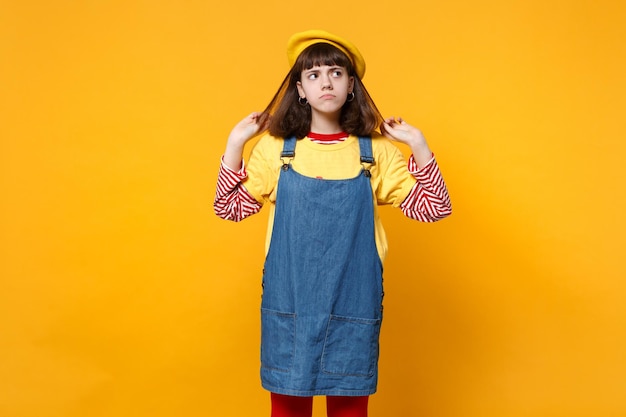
(330, 68)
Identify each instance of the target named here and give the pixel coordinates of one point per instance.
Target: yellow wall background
(121, 294)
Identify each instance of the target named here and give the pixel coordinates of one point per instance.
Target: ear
(351, 84)
(300, 89)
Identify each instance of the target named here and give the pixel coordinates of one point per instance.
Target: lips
(327, 97)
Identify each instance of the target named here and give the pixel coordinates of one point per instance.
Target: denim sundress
(321, 309)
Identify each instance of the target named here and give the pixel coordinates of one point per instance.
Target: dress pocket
(351, 346)
(278, 334)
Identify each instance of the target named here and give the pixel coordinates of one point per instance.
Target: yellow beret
(300, 41)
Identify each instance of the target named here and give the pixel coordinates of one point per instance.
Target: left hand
(401, 131)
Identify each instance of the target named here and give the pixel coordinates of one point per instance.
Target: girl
(323, 169)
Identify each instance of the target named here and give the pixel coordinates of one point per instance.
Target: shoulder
(380, 140)
(268, 144)
(268, 140)
(383, 147)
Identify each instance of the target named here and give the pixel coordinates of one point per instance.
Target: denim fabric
(322, 300)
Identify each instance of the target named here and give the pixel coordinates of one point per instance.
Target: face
(326, 88)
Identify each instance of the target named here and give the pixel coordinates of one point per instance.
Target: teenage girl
(323, 169)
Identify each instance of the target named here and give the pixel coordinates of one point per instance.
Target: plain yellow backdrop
(122, 295)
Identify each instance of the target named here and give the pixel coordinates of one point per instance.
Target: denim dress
(321, 309)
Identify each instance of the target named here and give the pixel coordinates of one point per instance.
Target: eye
(337, 73)
(312, 76)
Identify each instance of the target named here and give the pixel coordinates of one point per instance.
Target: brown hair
(289, 118)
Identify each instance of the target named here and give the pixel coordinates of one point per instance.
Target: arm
(428, 200)
(232, 200)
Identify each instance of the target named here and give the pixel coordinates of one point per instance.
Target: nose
(326, 83)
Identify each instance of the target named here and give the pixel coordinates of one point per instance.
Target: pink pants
(290, 406)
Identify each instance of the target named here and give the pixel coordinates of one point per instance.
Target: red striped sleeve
(232, 200)
(428, 200)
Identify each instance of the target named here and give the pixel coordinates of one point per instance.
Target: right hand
(243, 131)
(249, 127)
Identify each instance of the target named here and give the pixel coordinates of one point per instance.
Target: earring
(302, 101)
(350, 97)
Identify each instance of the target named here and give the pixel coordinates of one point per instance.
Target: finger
(386, 129)
(395, 121)
(389, 127)
(395, 129)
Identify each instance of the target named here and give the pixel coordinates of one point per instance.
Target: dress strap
(289, 151)
(367, 156)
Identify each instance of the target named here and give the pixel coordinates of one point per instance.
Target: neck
(325, 124)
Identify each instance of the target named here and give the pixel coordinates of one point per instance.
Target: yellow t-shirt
(391, 180)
